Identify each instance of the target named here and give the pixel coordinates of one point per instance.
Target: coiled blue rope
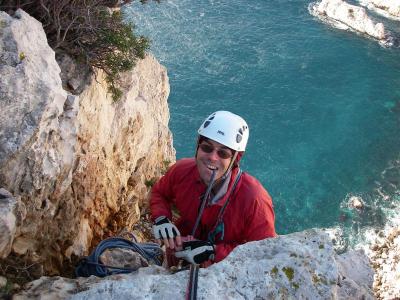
(91, 265)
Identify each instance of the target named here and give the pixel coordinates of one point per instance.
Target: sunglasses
(222, 153)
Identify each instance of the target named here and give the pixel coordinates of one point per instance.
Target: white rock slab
(8, 222)
(296, 266)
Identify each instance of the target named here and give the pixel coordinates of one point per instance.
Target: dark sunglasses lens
(206, 148)
(224, 154)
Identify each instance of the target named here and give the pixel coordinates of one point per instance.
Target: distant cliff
(74, 168)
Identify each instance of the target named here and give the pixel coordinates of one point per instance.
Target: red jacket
(249, 215)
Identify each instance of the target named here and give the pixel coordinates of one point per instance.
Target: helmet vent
(238, 138)
(206, 123)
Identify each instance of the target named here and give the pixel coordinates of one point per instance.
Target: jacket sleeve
(161, 196)
(259, 224)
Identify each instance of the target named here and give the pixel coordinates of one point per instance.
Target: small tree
(92, 31)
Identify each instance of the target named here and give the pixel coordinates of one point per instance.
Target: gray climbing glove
(164, 229)
(196, 252)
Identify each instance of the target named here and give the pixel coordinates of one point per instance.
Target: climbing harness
(91, 265)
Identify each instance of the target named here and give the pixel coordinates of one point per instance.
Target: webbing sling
(219, 224)
(203, 203)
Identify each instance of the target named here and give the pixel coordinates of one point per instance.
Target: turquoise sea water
(323, 105)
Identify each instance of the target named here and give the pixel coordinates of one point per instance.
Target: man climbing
(219, 207)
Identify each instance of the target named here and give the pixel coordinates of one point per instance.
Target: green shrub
(150, 182)
(90, 31)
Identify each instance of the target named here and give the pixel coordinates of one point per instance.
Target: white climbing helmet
(227, 129)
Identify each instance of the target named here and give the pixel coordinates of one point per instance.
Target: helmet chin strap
(223, 177)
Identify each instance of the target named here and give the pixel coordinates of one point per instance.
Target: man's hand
(165, 230)
(196, 252)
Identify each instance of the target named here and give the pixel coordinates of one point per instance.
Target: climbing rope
(91, 264)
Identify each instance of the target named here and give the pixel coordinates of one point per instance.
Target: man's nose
(213, 155)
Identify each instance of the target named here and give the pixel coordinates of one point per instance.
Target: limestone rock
(22, 244)
(296, 266)
(356, 276)
(343, 15)
(73, 75)
(385, 257)
(356, 202)
(79, 164)
(388, 8)
(38, 128)
(8, 222)
(29, 82)
(3, 282)
(123, 258)
(121, 147)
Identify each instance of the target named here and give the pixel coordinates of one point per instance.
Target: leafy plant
(92, 31)
(165, 166)
(150, 182)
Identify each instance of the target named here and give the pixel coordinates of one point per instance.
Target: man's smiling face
(212, 156)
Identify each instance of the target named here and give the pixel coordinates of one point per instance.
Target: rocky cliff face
(79, 167)
(384, 255)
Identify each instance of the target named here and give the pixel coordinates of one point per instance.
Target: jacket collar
(221, 201)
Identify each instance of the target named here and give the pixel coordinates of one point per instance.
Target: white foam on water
(370, 236)
(386, 198)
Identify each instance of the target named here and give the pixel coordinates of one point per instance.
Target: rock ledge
(301, 265)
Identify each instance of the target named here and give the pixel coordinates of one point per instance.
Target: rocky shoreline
(384, 255)
(387, 8)
(345, 16)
